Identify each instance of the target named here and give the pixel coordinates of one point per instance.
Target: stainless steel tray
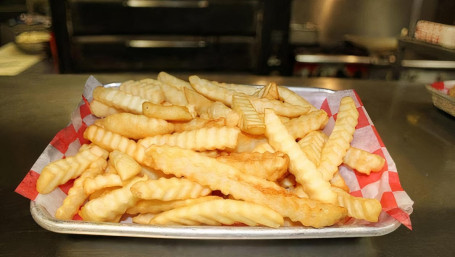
(45, 220)
(39, 213)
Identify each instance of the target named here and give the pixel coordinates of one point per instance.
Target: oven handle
(167, 4)
(165, 44)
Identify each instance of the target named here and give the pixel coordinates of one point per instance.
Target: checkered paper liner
(383, 185)
(443, 86)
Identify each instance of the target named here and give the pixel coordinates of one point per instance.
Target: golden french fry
(219, 176)
(303, 169)
(145, 89)
(218, 110)
(118, 99)
(263, 148)
(102, 192)
(291, 97)
(101, 110)
(246, 142)
(143, 218)
(157, 206)
(152, 173)
(135, 126)
(197, 123)
(109, 206)
(363, 161)
(165, 189)
(299, 191)
(238, 88)
(270, 166)
(61, 171)
(299, 127)
(270, 91)
(124, 164)
(222, 211)
(76, 195)
(199, 139)
(250, 121)
(173, 81)
(280, 108)
(312, 144)
(173, 112)
(338, 181)
(211, 90)
(112, 141)
(358, 207)
(172, 95)
(340, 139)
(200, 102)
(101, 181)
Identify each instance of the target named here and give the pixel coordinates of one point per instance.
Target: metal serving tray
(41, 216)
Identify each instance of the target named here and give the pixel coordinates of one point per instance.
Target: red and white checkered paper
(383, 185)
(443, 86)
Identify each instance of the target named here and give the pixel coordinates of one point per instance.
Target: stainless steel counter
(420, 138)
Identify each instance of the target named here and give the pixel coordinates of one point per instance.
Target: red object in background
(54, 52)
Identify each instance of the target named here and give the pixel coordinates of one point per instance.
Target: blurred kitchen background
(365, 39)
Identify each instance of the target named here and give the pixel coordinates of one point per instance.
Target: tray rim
(44, 219)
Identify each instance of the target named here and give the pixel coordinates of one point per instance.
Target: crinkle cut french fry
(363, 161)
(340, 139)
(270, 91)
(199, 139)
(222, 211)
(262, 148)
(250, 122)
(135, 126)
(270, 166)
(124, 164)
(101, 181)
(144, 89)
(76, 195)
(173, 112)
(280, 108)
(143, 218)
(299, 127)
(61, 171)
(358, 207)
(238, 88)
(218, 110)
(303, 169)
(291, 97)
(167, 189)
(339, 182)
(200, 102)
(246, 143)
(197, 123)
(110, 205)
(157, 206)
(112, 141)
(211, 90)
(173, 81)
(118, 99)
(101, 110)
(218, 176)
(173, 95)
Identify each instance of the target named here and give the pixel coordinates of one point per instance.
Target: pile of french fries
(171, 152)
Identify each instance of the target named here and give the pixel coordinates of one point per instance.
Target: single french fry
(280, 108)
(291, 97)
(270, 166)
(218, 110)
(238, 88)
(101, 181)
(263, 148)
(246, 142)
(143, 218)
(124, 164)
(157, 206)
(363, 161)
(221, 211)
(144, 89)
(173, 112)
(340, 139)
(200, 102)
(76, 195)
(61, 171)
(338, 181)
(358, 207)
(303, 169)
(165, 189)
(112, 141)
(299, 127)
(219, 176)
(109, 206)
(173, 81)
(101, 110)
(135, 126)
(172, 95)
(210, 138)
(270, 91)
(118, 99)
(211, 90)
(197, 123)
(250, 121)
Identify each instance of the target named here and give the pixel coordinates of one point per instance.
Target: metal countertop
(419, 137)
